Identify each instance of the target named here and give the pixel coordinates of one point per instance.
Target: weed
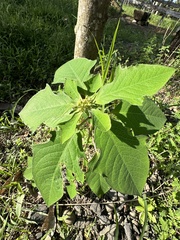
(165, 153)
(165, 147)
(98, 104)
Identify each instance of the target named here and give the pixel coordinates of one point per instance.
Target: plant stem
(146, 217)
(116, 236)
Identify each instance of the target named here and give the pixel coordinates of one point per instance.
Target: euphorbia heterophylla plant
(112, 114)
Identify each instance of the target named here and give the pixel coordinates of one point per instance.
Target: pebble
(103, 220)
(135, 228)
(112, 194)
(108, 229)
(135, 222)
(81, 224)
(96, 208)
(39, 235)
(79, 236)
(128, 230)
(78, 210)
(133, 213)
(109, 207)
(38, 217)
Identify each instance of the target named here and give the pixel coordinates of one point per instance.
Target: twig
(93, 203)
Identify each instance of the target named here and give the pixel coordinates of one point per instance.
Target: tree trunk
(92, 16)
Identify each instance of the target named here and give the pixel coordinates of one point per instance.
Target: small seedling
(111, 111)
(141, 210)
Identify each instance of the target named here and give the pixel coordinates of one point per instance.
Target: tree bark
(91, 19)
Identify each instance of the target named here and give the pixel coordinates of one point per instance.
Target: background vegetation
(36, 37)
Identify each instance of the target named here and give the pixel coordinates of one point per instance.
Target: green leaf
(69, 128)
(48, 165)
(97, 183)
(152, 218)
(3, 226)
(28, 172)
(95, 83)
(123, 159)
(141, 201)
(19, 203)
(101, 120)
(77, 69)
(71, 188)
(95, 180)
(47, 107)
(144, 120)
(150, 208)
(70, 88)
(142, 217)
(133, 83)
(139, 208)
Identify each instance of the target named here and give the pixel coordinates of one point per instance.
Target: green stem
(146, 217)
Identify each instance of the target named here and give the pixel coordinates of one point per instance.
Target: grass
(134, 45)
(34, 42)
(141, 44)
(165, 155)
(36, 37)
